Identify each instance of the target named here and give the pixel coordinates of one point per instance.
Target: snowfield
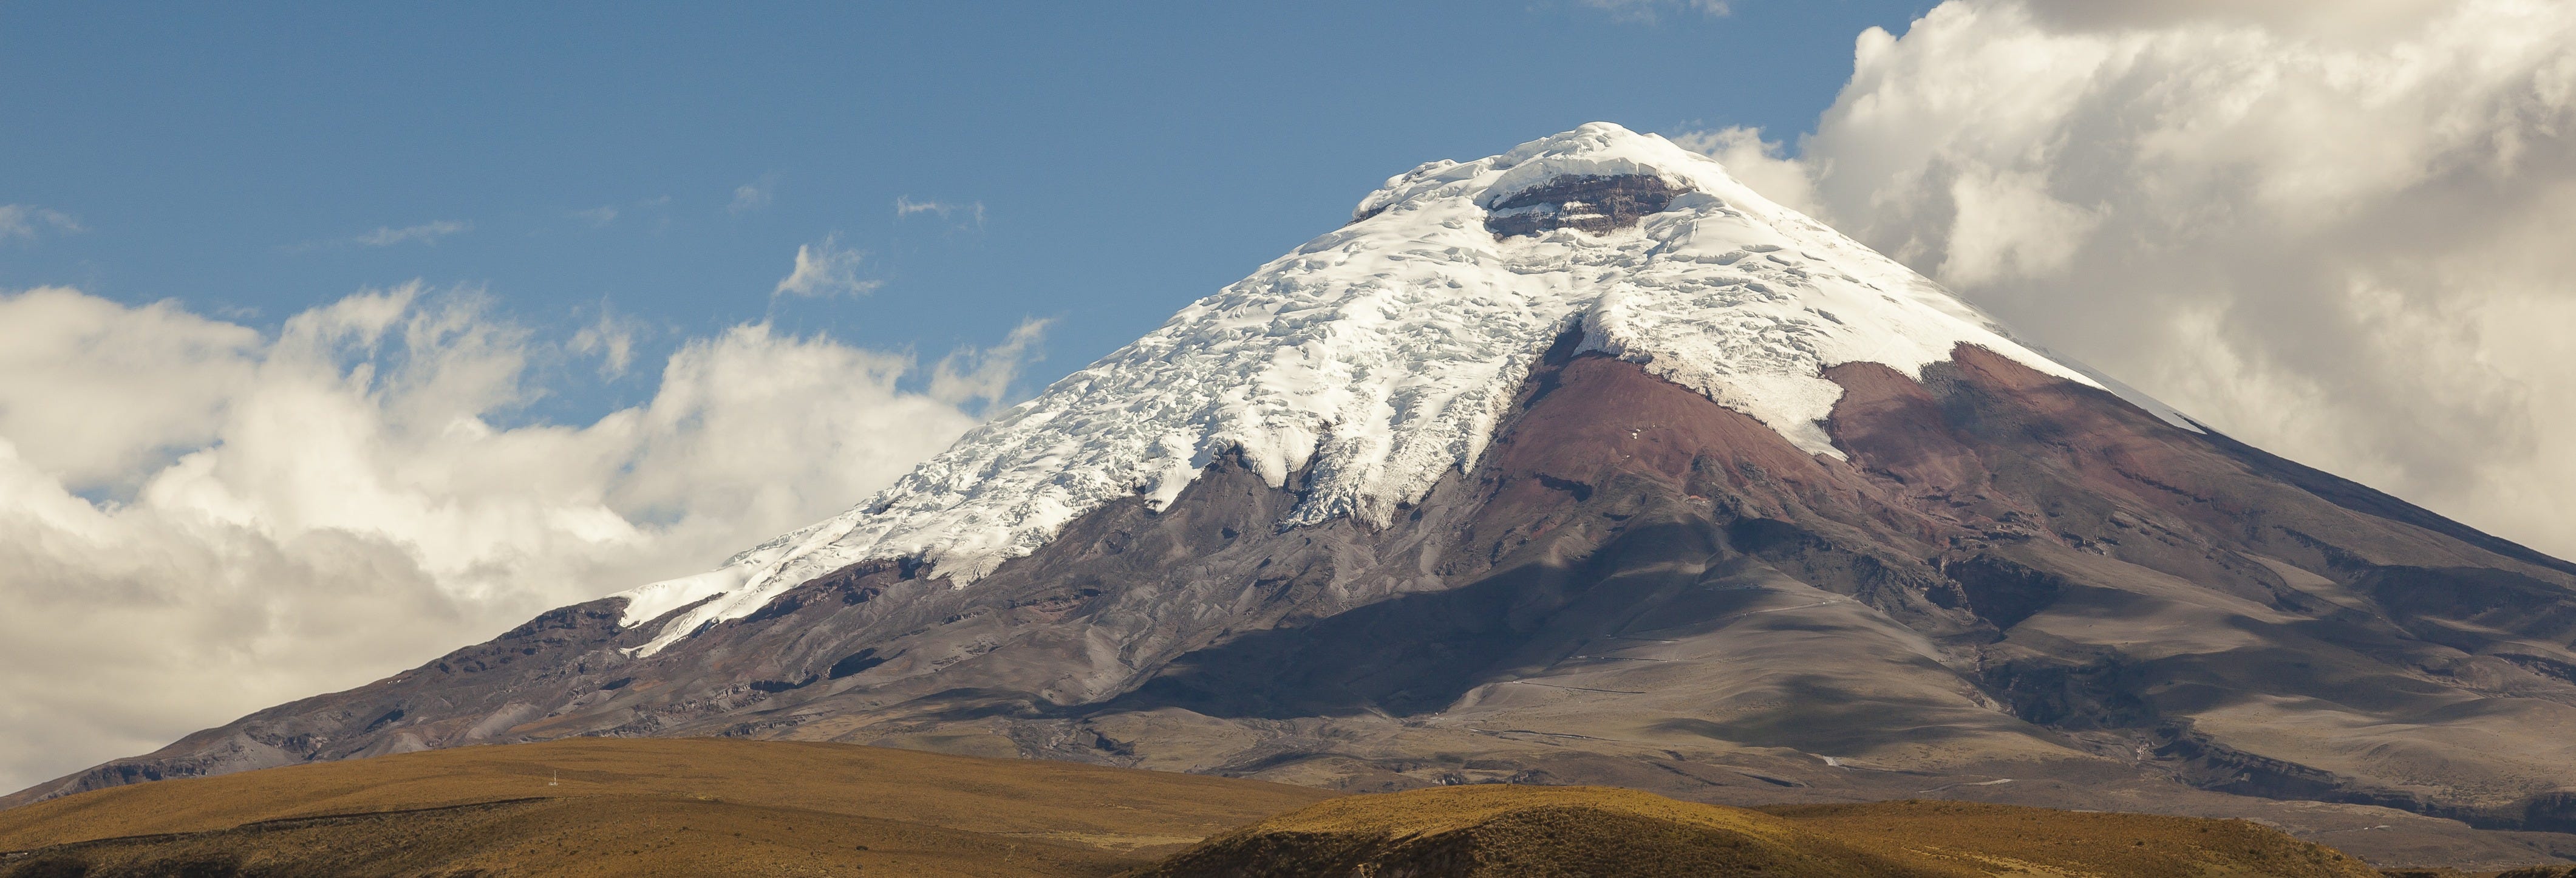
(1382, 354)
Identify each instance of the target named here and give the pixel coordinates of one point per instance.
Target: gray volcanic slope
(2017, 589)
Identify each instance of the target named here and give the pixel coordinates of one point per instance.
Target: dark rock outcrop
(1589, 203)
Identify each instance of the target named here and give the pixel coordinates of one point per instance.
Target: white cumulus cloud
(199, 519)
(970, 374)
(2333, 229)
(825, 269)
(611, 338)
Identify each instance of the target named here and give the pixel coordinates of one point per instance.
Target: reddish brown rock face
(2015, 588)
(1893, 426)
(1593, 420)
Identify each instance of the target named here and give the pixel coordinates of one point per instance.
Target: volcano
(1586, 464)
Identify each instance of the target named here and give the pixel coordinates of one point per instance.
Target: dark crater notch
(1590, 203)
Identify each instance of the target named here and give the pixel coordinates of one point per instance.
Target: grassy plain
(600, 806)
(717, 807)
(1568, 831)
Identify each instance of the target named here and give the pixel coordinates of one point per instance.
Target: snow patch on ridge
(1380, 356)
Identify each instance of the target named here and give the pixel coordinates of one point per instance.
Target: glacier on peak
(1379, 356)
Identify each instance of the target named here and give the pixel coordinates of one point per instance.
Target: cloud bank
(2333, 229)
(199, 519)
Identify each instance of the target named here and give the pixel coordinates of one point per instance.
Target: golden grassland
(717, 807)
(1969, 836)
(1566, 831)
(599, 806)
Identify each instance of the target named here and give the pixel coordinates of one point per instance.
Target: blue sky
(253, 161)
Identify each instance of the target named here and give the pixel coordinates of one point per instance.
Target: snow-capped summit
(1376, 357)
